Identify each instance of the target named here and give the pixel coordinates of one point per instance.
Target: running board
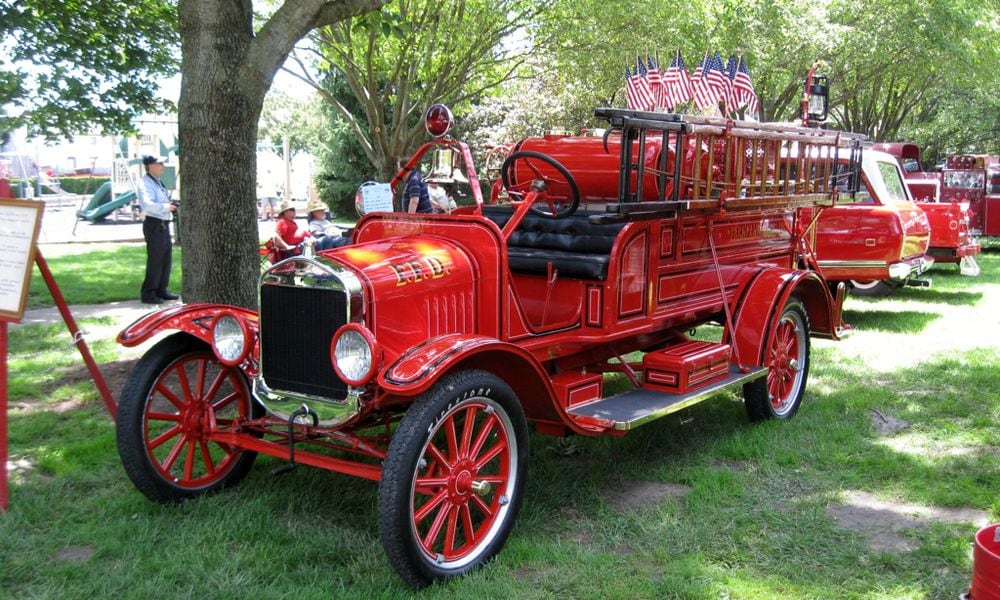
(639, 406)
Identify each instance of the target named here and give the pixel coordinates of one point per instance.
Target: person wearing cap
(327, 234)
(154, 199)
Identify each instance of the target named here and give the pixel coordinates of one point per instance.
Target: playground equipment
(102, 204)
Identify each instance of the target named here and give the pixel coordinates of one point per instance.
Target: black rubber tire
(872, 289)
(793, 321)
(445, 405)
(156, 368)
(565, 211)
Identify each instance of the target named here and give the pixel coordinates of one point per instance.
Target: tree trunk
(226, 70)
(218, 154)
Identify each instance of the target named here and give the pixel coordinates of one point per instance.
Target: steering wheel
(562, 196)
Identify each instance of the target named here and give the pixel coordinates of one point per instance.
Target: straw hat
(315, 204)
(285, 205)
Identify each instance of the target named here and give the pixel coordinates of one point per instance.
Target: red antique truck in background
(418, 355)
(975, 178)
(950, 213)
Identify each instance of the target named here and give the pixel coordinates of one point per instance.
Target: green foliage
(342, 162)
(69, 185)
(895, 58)
(299, 119)
(909, 69)
(84, 65)
(413, 53)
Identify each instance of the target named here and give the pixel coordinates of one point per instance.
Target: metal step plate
(640, 406)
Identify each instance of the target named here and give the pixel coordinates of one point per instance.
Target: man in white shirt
(154, 199)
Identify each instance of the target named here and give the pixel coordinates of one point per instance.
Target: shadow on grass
(758, 495)
(938, 296)
(906, 321)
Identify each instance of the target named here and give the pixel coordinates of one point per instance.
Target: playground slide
(101, 204)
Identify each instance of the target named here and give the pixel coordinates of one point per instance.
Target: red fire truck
(950, 212)
(975, 179)
(417, 356)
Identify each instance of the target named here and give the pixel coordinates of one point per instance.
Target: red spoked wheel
(522, 169)
(177, 395)
(787, 359)
(453, 479)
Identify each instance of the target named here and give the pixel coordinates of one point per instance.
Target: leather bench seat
(574, 245)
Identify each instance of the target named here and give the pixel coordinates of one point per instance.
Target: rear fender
(417, 370)
(766, 296)
(193, 319)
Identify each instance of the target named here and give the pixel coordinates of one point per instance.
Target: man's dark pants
(158, 248)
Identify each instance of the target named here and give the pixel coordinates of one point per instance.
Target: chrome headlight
(230, 339)
(354, 354)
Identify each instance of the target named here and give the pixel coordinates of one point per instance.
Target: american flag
(631, 98)
(704, 93)
(645, 93)
(731, 104)
(718, 78)
(676, 83)
(655, 81)
(743, 89)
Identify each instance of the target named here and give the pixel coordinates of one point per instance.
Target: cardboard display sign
(376, 198)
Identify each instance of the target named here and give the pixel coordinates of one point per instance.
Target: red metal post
(81, 344)
(3, 416)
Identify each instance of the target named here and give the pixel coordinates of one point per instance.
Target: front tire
(872, 289)
(453, 479)
(174, 398)
(778, 395)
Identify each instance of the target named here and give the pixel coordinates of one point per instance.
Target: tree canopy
(413, 53)
(84, 65)
(900, 68)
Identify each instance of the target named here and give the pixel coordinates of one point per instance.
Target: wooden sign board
(20, 222)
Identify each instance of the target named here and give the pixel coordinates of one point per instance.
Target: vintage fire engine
(975, 178)
(952, 240)
(417, 356)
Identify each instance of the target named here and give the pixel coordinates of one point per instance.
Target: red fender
(418, 369)
(764, 298)
(194, 319)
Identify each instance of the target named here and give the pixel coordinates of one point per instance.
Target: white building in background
(119, 158)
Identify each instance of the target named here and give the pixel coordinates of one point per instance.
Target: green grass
(755, 523)
(97, 277)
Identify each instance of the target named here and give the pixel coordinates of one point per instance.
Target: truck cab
(418, 355)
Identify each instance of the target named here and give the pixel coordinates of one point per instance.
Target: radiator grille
(296, 326)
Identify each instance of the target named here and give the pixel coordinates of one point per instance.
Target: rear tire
(778, 395)
(453, 479)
